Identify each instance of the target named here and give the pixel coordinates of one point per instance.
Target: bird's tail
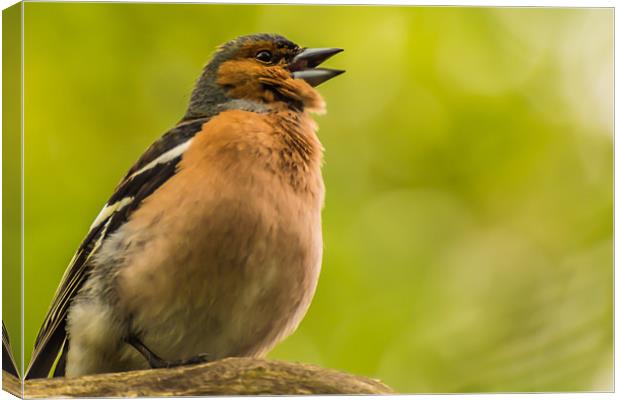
(49, 357)
(8, 362)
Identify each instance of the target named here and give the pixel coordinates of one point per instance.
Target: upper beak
(304, 65)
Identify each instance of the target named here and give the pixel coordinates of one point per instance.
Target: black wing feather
(8, 362)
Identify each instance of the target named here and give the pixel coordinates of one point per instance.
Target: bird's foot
(157, 362)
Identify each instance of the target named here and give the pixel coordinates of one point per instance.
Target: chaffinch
(211, 245)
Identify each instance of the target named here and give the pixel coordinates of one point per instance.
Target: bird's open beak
(304, 66)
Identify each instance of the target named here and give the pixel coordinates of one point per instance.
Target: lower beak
(304, 65)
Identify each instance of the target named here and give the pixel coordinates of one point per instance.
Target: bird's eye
(263, 56)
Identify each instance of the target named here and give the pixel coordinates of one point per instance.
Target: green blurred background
(468, 220)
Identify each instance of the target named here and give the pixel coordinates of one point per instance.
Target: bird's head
(263, 69)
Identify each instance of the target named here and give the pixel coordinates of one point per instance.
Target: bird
(211, 244)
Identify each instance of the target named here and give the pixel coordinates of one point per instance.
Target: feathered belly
(231, 277)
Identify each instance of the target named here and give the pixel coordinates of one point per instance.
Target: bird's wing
(152, 170)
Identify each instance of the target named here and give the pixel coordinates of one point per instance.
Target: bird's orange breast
(238, 229)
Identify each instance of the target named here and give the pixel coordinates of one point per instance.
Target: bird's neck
(207, 98)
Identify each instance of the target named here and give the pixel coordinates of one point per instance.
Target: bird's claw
(197, 359)
(156, 361)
